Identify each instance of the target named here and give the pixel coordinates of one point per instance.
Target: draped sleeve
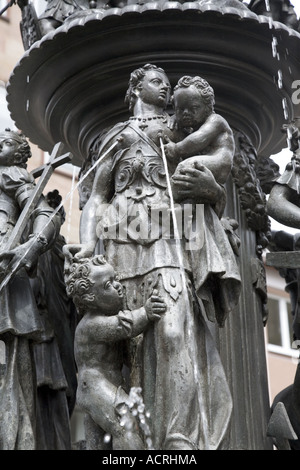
(16, 182)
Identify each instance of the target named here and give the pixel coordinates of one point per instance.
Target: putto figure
(57, 11)
(99, 348)
(202, 138)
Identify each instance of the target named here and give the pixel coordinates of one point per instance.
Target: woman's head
(153, 81)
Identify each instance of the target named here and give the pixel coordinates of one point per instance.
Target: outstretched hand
(23, 256)
(155, 307)
(78, 251)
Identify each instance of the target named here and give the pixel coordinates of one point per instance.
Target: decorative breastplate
(139, 171)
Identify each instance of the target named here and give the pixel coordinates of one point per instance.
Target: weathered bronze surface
(90, 58)
(69, 87)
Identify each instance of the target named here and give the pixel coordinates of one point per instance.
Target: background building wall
(282, 360)
(11, 51)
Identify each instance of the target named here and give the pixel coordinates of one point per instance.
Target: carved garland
(252, 197)
(254, 178)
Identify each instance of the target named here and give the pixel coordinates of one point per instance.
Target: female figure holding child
(175, 362)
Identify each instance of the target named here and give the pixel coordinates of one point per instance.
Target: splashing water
(279, 81)
(276, 55)
(187, 301)
(71, 205)
(285, 109)
(274, 47)
(133, 414)
(55, 212)
(268, 8)
(289, 137)
(107, 439)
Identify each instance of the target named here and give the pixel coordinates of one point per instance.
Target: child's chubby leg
(102, 399)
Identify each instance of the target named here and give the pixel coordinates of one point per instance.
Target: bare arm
(102, 190)
(281, 208)
(93, 211)
(202, 138)
(219, 163)
(125, 325)
(212, 145)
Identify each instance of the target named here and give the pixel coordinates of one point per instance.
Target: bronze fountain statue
(172, 115)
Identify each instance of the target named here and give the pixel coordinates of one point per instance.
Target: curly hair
(78, 282)
(22, 155)
(136, 77)
(202, 86)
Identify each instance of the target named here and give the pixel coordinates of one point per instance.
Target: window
(279, 327)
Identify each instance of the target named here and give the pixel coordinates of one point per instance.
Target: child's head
(93, 286)
(193, 101)
(14, 149)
